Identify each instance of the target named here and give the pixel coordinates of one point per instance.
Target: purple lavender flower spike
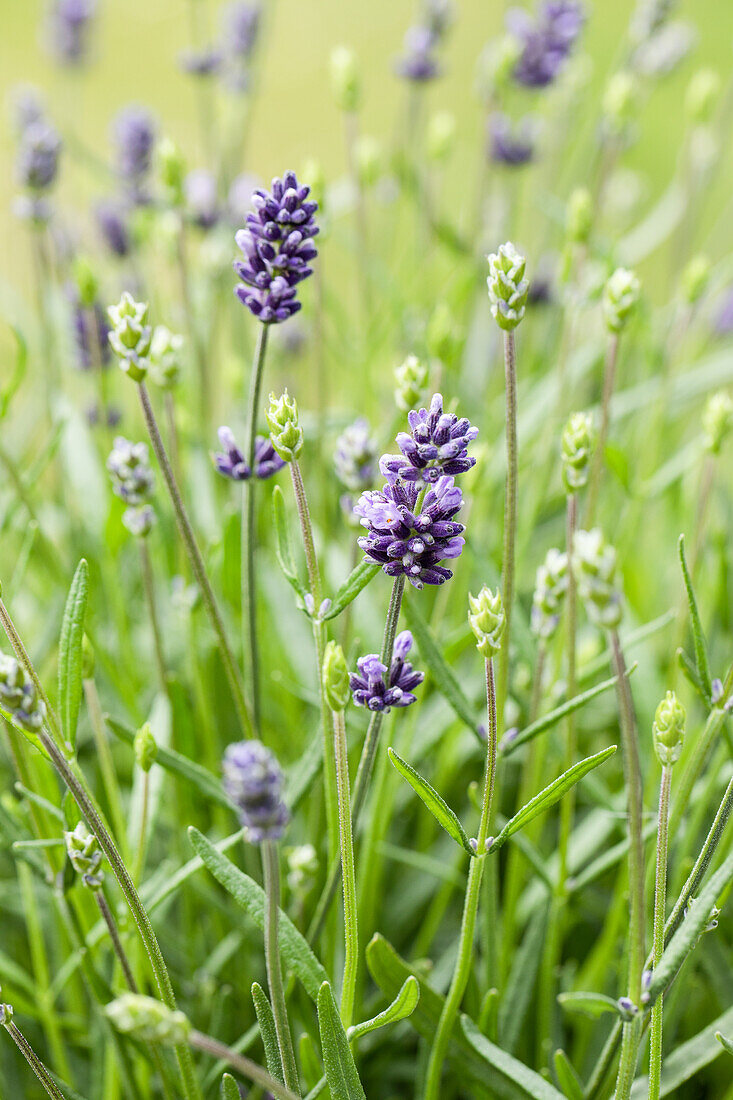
(38, 156)
(241, 26)
(231, 462)
(68, 29)
(404, 543)
(90, 330)
(278, 247)
(418, 61)
(203, 63)
(509, 144)
(202, 201)
(546, 41)
(371, 688)
(133, 135)
(253, 780)
(437, 446)
(113, 223)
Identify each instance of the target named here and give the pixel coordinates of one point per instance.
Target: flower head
(148, 1019)
(507, 286)
(68, 29)
(278, 247)
(437, 446)
(418, 61)
(131, 335)
(668, 729)
(84, 855)
(407, 543)
(133, 137)
(230, 461)
(510, 144)
(253, 780)
(18, 695)
(620, 296)
(550, 589)
(487, 619)
(132, 481)
(90, 331)
(576, 446)
(355, 456)
(373, 688)
(38, 156)
(594, 567)
(284, 424)
(546, 41)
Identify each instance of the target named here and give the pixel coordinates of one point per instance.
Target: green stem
(510, 514)
(249, 588)
(146, 569)
(632, 1029)
(245, 1066)
(660, 895)
(114, 936)
(567, 805)
(271, 870)
(34, 1062)
(464, 961)
(197, 562)
(351, 930)
(137, 870)
(609, 378)
(106, 763)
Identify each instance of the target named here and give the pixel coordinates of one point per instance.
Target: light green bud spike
(285, 430)
(576, 447)
(412, 383)
(507, 286)
(146, 747)
(620, 297)
(487, 620)
(131, 335)
(148, 1019)
(594, 568)
(668, 729)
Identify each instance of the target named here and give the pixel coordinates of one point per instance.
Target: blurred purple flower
(68, 29)
(204, 62)
(418, 61)
(230, 461)
(509, 144)
(38, 156)
(112, 217)
(133, 137)
(202, 201)
(254, 781)
(546, 40)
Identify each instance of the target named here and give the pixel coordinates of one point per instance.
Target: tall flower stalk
(488, 622)
(40, 1070)
(249, 591)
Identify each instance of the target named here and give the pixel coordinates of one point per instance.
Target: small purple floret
(438, 445)
(546, 40)
(230, 461)
(508, 144)
(371, 689)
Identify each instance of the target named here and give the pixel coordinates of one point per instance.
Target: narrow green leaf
(727, 1044)
(553, 716)
(567, 1077)
(21, 362)
(70, 653)
(689, 670)
(686, 1060)
(432, 658)
(402, 1006)
(550, 795)
(250, 896)
(282, 541)
(178, 764)
(698, 637)
(687, 935)
(310, 1065)
(29, 735)
(527, 1082)
(592, 1005)
(357, 580)
(229, 1088)
(440, 809)
(338, 1061)
(268, 1031)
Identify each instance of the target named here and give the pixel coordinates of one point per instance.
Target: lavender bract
(253, 780)
(230, 461)
(437, 446)
(410, 544)
(278, 247)
(373, 689)
(546, 40)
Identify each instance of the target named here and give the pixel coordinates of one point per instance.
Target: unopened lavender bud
(620, 296)
(507, 286)
(369, 157)
(487, 620)
(131, 335)
(18, 695)
(716, 690)
(345, 78)
(310, 603)
(695, 279)
(325, 607)
(550, 590)
(627, 1008)
(84, 855)
(285, 430)
(668, 729)
(146, 748)
(620, 102)
(411, 379)
(441, 135)
(717, 420)
(302, 863)
(701, 96)
(594, 566)
(6, 1014)
(576, 447)
(165, 356)
(148, 1019)
(579, 215)
(335, 677)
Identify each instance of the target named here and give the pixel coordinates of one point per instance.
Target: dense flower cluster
(594, 568)
(376, 689)
(130, 336)
(230, 461)
(546, 41)
(253, 780)
(278, 247)
(18, 695)
(437, 446)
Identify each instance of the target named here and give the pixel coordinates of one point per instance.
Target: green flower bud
(507, 286)
(285, 430)
(86, 281)
(412, 383)
(620, 101)
(88, 659)
(148, 1019)
(84, 856)
(620, 295)
(551, 587)
(302, 864)
(695, 279)
(441, 335)
(369, 157)
(345, 78)
(165, 356)
(668, 729)
(131, 335)
(487, 620)
(172, 169)
(717, 420)
(579, 215)
(6, 1014)
(701, 96)
(594, 567)
(576, 447)
(441, 135)
(146, 748)
(335, 677)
